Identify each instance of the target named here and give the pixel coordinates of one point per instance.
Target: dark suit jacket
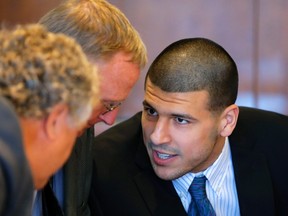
(77, 176)
(124, 182)
(16, 186)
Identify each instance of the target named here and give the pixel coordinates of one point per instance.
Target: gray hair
(39, 69)
(99, 27)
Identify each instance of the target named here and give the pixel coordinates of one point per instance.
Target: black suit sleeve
(15, 177)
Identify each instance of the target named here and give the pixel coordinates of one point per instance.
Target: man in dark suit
(15, 177)
(189, 128)
(114, 46)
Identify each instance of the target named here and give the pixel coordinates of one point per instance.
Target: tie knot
(197, 188)
(200, 204)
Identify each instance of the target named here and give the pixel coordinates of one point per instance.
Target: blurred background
(254, 32)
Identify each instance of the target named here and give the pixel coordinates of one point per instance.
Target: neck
(31, 133)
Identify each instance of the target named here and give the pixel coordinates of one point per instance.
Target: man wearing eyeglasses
(114, 46)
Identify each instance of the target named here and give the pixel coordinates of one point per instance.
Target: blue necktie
(200, 204)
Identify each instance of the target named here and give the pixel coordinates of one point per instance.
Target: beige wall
(254, 32)
(24, 11)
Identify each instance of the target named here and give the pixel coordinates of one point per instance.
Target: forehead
(117, 76)
(176, 102)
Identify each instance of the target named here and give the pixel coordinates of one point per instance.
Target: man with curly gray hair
(53, 88)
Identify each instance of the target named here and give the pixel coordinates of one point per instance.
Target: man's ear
(229, 120)
(54, 121)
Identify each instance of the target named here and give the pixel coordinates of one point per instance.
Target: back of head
(99, 27)
(39, 70)
(196, 64)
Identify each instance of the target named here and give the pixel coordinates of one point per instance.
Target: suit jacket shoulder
(259, 147)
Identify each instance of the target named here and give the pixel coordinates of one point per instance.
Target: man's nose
(109, 117)
(160, 133)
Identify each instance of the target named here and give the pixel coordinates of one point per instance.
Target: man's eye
(181, 120)
(150, 111)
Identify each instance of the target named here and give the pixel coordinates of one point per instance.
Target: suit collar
(159, 195)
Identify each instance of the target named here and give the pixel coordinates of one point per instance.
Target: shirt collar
(217, 172)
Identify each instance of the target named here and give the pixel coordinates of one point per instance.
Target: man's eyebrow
(145, 103)
(185, 116)
(177, 115)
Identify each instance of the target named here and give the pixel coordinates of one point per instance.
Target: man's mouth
(164, 156)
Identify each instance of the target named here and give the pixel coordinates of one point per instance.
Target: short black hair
(195, 64)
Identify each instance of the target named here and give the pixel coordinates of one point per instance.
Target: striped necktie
(200, 204)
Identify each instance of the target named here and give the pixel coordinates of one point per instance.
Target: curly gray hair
(39, 69)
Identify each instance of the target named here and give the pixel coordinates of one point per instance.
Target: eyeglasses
(110, 106)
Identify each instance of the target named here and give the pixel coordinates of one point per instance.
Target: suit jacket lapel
(253, 181)
(78, 175)
(50, 205)
(159, 195)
